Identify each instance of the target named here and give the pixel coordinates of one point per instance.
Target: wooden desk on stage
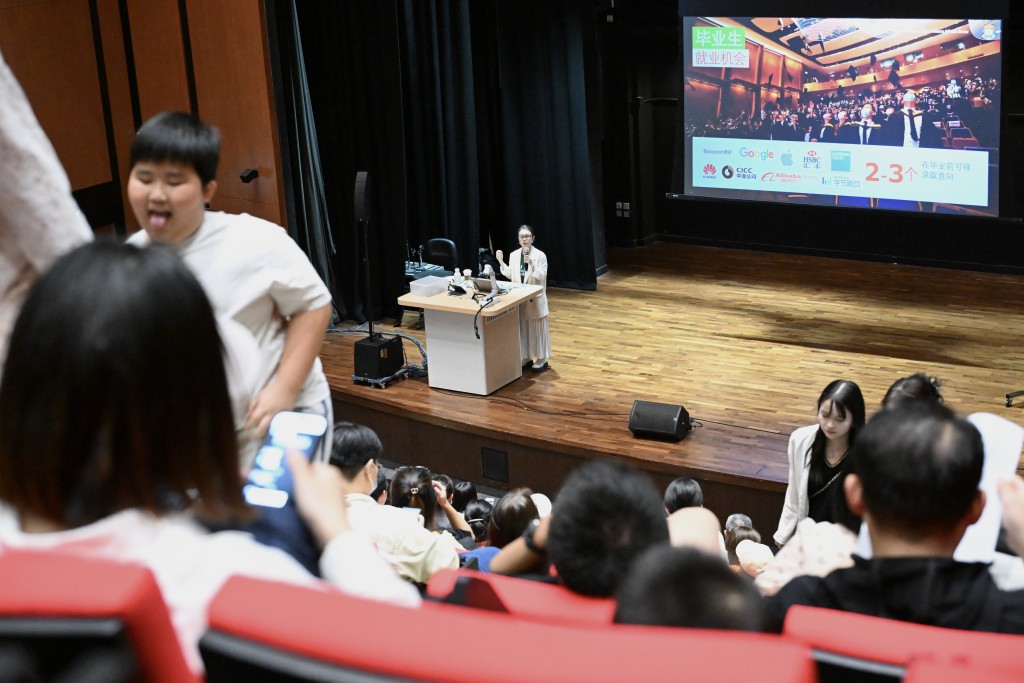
(456, 359)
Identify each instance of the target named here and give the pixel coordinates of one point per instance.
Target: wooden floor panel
(744, 340)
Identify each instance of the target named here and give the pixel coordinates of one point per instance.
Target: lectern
(469, 348)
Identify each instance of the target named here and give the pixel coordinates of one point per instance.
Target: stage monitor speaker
(378, 357)
(658, 420)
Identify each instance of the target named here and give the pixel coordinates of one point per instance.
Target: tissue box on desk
(429, 285)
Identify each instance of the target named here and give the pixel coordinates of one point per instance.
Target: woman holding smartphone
(116, 434)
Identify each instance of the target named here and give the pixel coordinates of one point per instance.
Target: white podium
(456, 358)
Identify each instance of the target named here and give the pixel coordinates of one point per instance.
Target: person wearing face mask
(868, 132)
(817, 455)
(529, 265)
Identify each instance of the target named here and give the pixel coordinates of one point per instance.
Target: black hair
(464, 492)
(478, 516)
(114, 394)
(354, 445)
(446, 481)
(846, 399)
(524, 226)
(685, 587)
(683, 492)
(604, 517)
(178, 137)
(414, 487)
(919, 466)
(511, 515)
(918, 386)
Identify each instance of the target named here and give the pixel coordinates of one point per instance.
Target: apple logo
(787, 158)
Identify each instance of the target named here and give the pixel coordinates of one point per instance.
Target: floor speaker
(658, 420)
(378, 357)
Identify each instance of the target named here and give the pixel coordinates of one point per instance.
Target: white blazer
(537, 274)
(797, 504)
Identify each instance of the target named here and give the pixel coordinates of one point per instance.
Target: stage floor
(744, 340)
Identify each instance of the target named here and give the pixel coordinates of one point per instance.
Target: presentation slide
(899, 114)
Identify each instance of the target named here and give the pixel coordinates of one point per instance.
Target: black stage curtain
(471, 118)
(548, 181)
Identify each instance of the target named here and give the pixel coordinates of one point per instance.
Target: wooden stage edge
(745, 341)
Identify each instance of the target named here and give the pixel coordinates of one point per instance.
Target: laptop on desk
(483, 284)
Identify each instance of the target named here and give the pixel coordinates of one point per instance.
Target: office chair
(442, 251)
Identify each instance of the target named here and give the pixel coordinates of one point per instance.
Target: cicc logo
(727, 172)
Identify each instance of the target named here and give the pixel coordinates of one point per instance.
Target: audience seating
(70, 618)
(522, 598)
(269, 632)
(935, 672)
(961, 143)
(857, 647)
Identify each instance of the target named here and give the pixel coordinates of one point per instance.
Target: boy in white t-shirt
(251, 270)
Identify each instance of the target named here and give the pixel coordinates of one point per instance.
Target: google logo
(754, 154)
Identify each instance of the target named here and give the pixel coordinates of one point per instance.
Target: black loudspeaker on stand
(377, 358)
(659, 420)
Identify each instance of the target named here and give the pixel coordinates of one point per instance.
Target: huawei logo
(709, 169)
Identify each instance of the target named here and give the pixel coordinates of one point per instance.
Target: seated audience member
(509, 518)
(683, 493)
(116, 427)
(478, 516)
(914, 480)
(686, 587)
(737, 519)
(604, 517)
(415, 552)
(464, 492)
(414, 487)
(440, 519)
(916, 387)
(733, 537)
(698, 528)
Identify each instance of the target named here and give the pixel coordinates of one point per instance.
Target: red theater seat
(853, 646)
(519, 597)
(961, 143)
(934, 672)
(60, 613)
(271, 632)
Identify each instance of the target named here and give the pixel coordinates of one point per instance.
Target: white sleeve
(791, 506)
(351, 563)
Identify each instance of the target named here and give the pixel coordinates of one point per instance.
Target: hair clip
(414, 490)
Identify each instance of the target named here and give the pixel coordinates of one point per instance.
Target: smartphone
(270, 483)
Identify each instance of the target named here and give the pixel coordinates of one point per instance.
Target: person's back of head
(114, 394)
(178, 137)
(478, 516)
(918, 467)
(464, 491)
(683, 492)
(604, 517)
(414, 487)
(511, 515)
(686, 587)
(354, 445)
(916, 387)
(738, 519)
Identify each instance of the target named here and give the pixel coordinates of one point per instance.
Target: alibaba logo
(709, 169)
